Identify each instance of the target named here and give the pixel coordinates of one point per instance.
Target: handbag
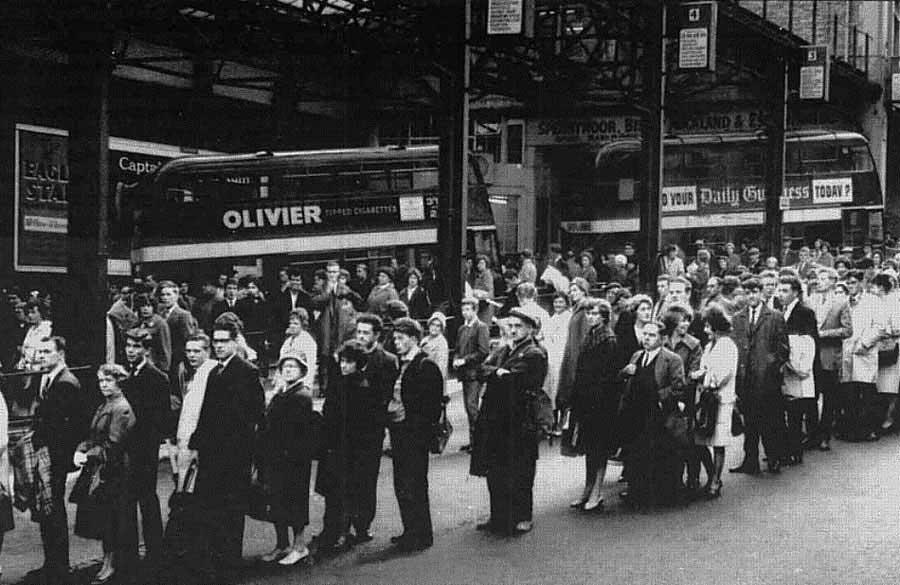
(678, 427)
(260, 500)
(888, 357)
(441, 430)
(707, 414)
(737, 422)
(571, 434)
(540, 412)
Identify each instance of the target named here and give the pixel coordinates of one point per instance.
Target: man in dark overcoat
(147, 391)
(233, 406)
(762, 352)
(505, 446)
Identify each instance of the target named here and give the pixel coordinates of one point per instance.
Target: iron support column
(84, 309)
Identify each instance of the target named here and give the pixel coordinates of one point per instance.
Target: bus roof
(267, 161)
(631, 145)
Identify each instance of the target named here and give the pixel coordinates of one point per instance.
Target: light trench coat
(867, 331)
(798, 378)
(888, 380)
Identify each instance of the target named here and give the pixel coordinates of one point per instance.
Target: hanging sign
(697, 36)
(505, 17)
(895, 79)
(815, 73)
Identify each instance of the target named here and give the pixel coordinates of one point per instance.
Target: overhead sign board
(815, 73)
(505, 17)
(895, 79)
(697, 36)
(589, 130)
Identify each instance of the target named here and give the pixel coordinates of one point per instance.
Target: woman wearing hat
(286, 444)
(414, 296)
(434, 344)
(382, 292)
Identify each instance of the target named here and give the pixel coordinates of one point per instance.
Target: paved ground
(833, 520)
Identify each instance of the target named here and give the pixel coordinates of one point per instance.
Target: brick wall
(802, 23)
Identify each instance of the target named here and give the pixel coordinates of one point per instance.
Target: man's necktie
(218, 369)
(45, 385)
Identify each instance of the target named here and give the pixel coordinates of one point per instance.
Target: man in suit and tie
(61, 421)
(788, 257)
(662, 294)
(233, 406)
(181, 323)
(835, 325)
(654, 374)
(758, 332)
(804, 262)
(229, 304)
(147, 390)
(769, 281)
(472, 347)
(293, 298)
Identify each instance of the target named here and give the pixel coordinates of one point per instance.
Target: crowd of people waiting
(662, 382)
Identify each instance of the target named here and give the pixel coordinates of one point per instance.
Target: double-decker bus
(714, 188)
(259, 212)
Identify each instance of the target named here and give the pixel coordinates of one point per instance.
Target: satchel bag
(707, 414)
(441, 431)
(737, 422)
(888, 357)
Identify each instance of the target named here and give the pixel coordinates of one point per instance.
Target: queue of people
(663, 383)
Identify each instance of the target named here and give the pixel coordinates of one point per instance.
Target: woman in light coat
(859, 359)
(718, 369)
(556, 333)
(888, 382)
(434, 344)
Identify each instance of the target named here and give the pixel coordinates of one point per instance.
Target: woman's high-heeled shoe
(103, 580)
(593, 506)
(715, 490)
(578, 504)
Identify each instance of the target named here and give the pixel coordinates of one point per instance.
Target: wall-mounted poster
(41, 199)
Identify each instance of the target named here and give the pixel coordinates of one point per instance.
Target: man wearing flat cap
(414, 408)
(506, 444)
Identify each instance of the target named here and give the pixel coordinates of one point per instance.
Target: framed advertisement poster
(41, 199)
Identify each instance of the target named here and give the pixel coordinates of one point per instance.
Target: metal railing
(848, 42)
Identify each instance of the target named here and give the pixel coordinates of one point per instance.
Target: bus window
(402, 180)
(425, 179)
(855, 157)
